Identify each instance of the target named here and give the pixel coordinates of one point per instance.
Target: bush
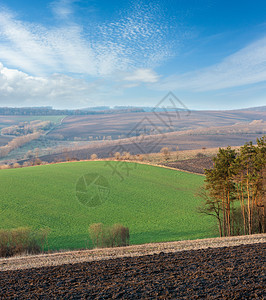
(166, 153)
(117, 155)
(96, 233)
(16, 165)
(120, 235)
(37, 162)
(2, 167)
(200, 155)
(109, 236)
(126, 155)
(94, 156)
(22, 241)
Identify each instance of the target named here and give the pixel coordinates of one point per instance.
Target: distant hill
(47, 111)
(257, 108)
(98, 110)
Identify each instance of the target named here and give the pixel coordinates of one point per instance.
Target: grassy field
(157, 204)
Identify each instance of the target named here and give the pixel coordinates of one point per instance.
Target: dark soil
(219, 273)
(195, 165)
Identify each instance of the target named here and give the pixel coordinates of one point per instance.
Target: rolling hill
(157, 204)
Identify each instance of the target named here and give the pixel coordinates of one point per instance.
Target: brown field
(126, 125)
(142, 133)
(194, 165)
(145, 133)
(4, 140)
(70, 257)
(151, 144)
(214, 271)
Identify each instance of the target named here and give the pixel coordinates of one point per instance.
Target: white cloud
(142, 75)
(62, 9)
(19, 88)
(98, 60)
(137, 38)
(247, 66)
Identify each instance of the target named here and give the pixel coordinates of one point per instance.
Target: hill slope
(157, 204)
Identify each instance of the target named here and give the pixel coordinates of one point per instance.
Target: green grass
(157, 204)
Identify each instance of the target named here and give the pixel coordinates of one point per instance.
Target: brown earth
(151, 144)
(4, 140)
(221, 273)
(195, 165)
(123, 125)
(144, 133)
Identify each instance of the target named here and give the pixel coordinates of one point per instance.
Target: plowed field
(219, 273)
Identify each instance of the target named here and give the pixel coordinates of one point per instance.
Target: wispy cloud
(68, 62)
(247, 66)
(142, 75)
(63, 8)
(136, 39)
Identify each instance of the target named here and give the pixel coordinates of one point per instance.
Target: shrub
(126, 155)
(37, 162)
(166, 153)
(96, 233)
(120, 235)
(109, 236)
(200, 155)
(22, 241)
(2, 167)
(117, 155)
(94, 156)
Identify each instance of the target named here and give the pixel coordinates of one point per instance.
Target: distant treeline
(44, 111)
(24, 128)
(18, 142)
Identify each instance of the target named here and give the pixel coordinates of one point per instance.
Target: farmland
(220, 273)
(14, 120)
(157, 204)
(81, 136)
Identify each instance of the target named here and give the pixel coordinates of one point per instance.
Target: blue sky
(77, 53)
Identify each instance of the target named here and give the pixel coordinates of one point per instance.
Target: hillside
(80, 136)
(157, 204)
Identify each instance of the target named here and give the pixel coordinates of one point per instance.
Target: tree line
(25, 128)
(48, 111)
(234, 191)
(18, 142)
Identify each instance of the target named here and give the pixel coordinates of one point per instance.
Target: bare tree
(94, 156)
(165, 152)
(117, 155)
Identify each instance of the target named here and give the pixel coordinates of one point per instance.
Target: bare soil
(236, 272)
(122, 125)
(195, 165)
(67, 257)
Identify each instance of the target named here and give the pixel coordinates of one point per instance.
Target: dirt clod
(220, 273)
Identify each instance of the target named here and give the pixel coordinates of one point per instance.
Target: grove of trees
(25, 128)
(18, 142)
(234, 190)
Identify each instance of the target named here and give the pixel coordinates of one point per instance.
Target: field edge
(79, 256)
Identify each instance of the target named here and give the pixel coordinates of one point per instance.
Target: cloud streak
(63, 8)
(100, 49)
(245, 67)
(142, 75)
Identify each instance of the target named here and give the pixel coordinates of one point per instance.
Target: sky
(75, 54)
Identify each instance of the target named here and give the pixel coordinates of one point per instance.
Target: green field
(157, 204)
